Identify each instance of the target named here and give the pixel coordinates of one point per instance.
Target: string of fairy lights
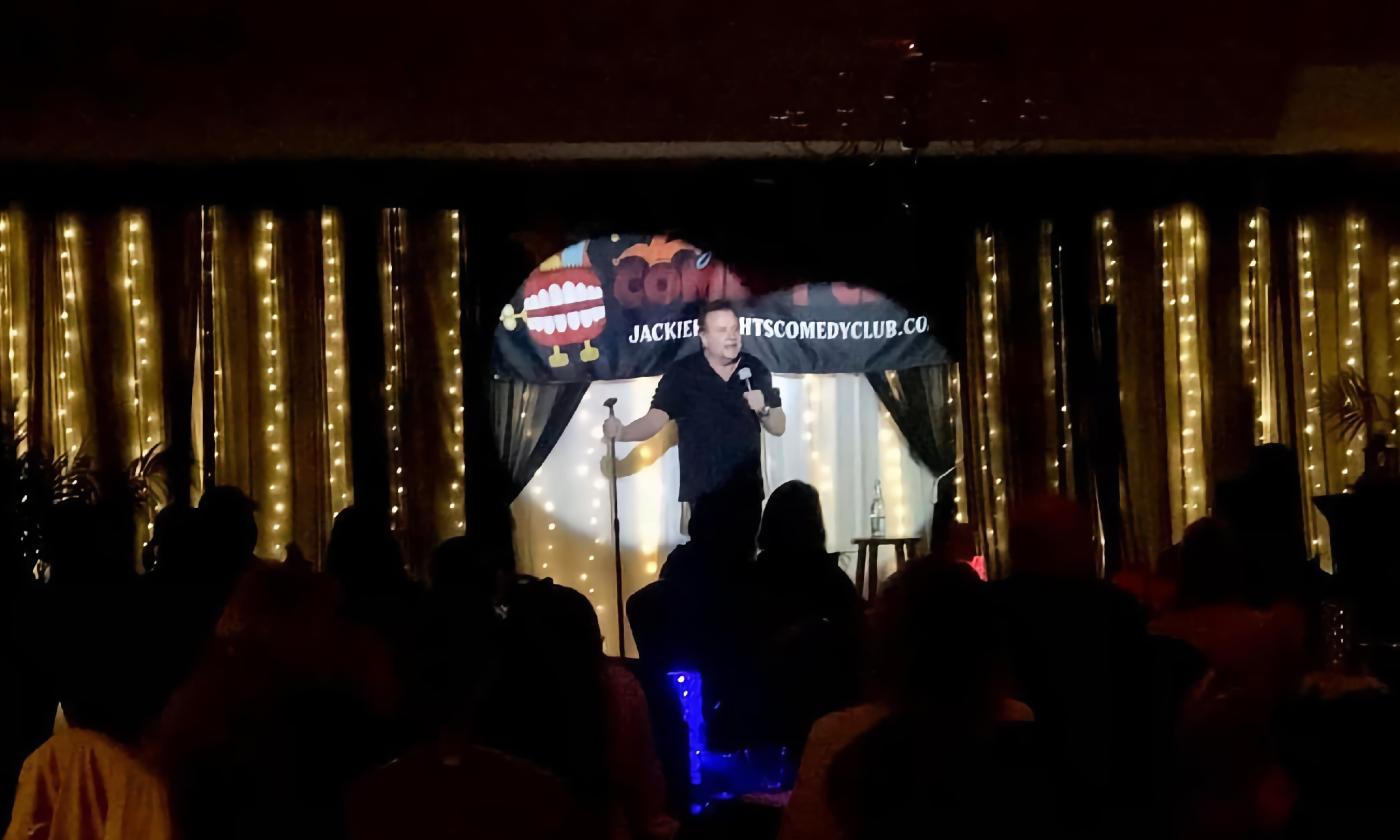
(1254, 325)
(1392, 352)
(274, 406)
(393, 337)
(1106, 233)
(145, 378)
(209, 348)
(1059, 425)
(12, 319)
(1314, 450)
(990, 443)
(456, 384)
(337, 419)
(68, 428)
(1180, 242)
(1353, 348)
(960, 455)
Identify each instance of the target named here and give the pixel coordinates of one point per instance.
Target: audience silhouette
(193, 690)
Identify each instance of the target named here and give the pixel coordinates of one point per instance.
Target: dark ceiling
(173, 80)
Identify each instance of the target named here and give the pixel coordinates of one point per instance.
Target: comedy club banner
(622, 307)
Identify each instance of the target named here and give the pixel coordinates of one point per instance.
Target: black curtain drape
(917, 400)
(528, 419)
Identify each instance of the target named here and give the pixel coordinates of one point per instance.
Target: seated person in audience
(1080, 654)
(562, 705)
(364, 559)
(1222, 609)
(1229, 776)
(798, 579)
(1264, 506)
(450, 786)
(700, 616)
(477, 571)
(286, 707)
(917, 760)
(81, 785)
(806, 618)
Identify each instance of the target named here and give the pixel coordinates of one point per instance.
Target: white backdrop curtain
(839, 439)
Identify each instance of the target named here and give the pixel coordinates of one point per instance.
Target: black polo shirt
(719, 433)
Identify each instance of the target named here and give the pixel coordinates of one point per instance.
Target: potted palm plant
(1353, 410)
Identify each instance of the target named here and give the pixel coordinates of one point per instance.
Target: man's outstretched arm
(643, 428)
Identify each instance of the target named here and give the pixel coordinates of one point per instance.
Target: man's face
(719, 335)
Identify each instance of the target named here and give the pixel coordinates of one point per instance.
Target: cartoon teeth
(565, 306)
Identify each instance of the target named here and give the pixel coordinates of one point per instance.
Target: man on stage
(720, 399)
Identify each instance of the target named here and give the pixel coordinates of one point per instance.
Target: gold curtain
(962, 466)
(1260, 326)
(1347, 301)
(66, 280)
(393, 268)
(340, 487)
(15, 314)
(1059, 424)
(1391, 335)
(266, 280)
(420, 274)
(988, 467)
(138, 321)
(81, 368)
(1182, 247)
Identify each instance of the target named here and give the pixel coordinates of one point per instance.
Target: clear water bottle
(877, 512)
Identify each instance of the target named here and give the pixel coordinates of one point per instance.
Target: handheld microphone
(745, 374)
(609, 403)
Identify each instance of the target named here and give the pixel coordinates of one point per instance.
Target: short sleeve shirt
(719, 433)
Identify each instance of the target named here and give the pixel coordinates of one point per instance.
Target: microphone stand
(617, 537)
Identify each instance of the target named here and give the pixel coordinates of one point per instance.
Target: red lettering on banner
(627, 282)
(636, 283)
(662, 283)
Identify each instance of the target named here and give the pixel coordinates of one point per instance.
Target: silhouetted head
(938, 646)
(549, 701)
(792, 521)
(558, 622)
(229, 518)
(471, 572)
(1052, 536)
(175, 536)
(278, 610)
(1214, 567)
(1265, 505)
(362, 553)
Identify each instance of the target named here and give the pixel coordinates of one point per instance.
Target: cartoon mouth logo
(565, 307)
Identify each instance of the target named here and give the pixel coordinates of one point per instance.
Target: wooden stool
(868, 550)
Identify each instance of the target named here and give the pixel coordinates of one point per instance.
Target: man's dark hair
(715, 306)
